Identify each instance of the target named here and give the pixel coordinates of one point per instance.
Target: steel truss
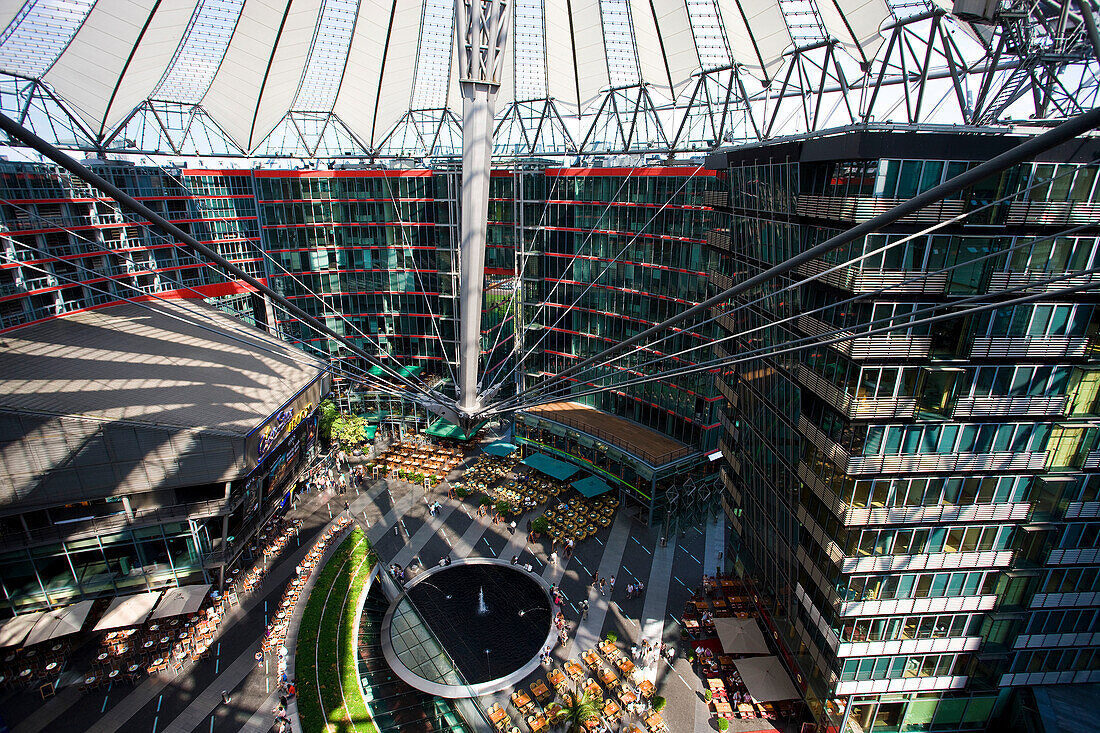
(1028, 63)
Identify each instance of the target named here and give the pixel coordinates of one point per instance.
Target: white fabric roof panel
(855, 23)
(158, 47)
(561, 77)
(235, 92)
(87, 72)
(248, 65)
(592, 75)
(666, 48)
(359, 88)
(287, 67)
(757, 32)
(399, 70)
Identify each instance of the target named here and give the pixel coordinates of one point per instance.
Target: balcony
(1053, 213)
(906, 606)
(910, 646)
(854, 280)
(855, 408)
(716, 199)
(955, 462)
(1029, 347)
(719, 239)
(927, 561)
(112, 524)
(1001, 280)
(862, 208)
(940, 513)
(908, 684)
(722, 282)
(868, 347)
(980, 407)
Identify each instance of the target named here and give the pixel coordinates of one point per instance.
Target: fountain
(477, 606)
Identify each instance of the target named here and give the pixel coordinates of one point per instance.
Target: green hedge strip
(325, 661)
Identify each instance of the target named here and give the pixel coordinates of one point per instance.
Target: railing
(719, 238)
(653, 459)
(113, 523)
(718, 199)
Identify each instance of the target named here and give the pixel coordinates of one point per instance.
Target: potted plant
(723, 724)
(540, 525)
(502, 507)
(707, 695)
(659, 703)
(612, 637)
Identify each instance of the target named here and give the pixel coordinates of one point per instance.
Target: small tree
(723, 724)
(612, 636)
(581, 708)
(502, 507)
(328, 413)
(708, 695)
(540, 525)
(659, 703)
(349, 431)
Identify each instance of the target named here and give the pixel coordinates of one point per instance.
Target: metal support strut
(481, 27)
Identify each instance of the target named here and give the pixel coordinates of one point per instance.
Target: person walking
(553, 558)
(611, 586)
(225, 697)
(603, 584)
(512, 527)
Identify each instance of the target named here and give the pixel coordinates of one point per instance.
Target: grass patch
(325, 659)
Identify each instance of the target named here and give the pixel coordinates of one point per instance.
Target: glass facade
(908, 503)
(577, 259)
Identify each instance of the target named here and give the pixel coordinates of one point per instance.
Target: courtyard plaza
(414, 528)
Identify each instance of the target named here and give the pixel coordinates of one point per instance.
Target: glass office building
(605, 253)
(912, 505)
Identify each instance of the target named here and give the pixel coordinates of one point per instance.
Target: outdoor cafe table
(556, 677)
(539, 689)
(497, 715)
(537, 722)
(608, 647)
(646, 688)
(655, 721)
(722, 708)
(626, 667)
(611, 710)
(626, 697)
(521, 700)
(608, 677)
(593, 689)
(574, 670)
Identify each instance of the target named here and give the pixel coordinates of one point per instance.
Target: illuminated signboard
(268, 436)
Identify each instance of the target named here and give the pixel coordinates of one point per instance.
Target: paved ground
(396, 515)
